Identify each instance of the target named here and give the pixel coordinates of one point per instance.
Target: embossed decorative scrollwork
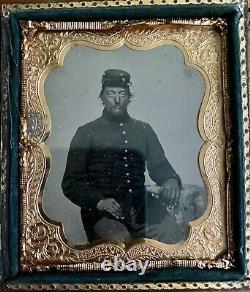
(42, 239)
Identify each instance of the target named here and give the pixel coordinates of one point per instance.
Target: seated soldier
(106, 163)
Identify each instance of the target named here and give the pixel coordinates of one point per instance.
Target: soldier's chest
(118, 137)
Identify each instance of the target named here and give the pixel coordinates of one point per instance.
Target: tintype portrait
(124, 141)
(123, 145)
(109, 157)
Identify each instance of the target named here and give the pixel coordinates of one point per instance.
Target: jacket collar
(123, 119)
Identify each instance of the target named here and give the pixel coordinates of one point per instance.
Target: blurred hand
(170, 192)
(110, 205)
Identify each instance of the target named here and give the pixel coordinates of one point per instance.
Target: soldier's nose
(117, 99)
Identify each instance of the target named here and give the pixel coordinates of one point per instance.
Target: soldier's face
(115, 100)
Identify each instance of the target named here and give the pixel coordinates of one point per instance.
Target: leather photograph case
(124, 145)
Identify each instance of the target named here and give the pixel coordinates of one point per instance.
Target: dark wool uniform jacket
(107, 159)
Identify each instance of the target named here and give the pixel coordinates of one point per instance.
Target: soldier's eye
(110, 94)
(122, 94)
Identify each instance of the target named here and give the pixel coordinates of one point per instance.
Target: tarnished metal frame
(44, 46)
(231, 285)
(4, 150)
(7, 8)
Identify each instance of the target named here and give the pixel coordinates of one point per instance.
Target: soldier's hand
(110, 205)
(170, 191)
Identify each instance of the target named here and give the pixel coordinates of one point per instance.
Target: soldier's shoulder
(89, 126)
(140, 123)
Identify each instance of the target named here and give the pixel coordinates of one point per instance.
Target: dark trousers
(102, 225)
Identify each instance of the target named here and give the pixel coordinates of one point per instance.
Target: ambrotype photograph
(125, 145)
(124, 141)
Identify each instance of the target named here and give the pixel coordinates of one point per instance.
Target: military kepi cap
(115, 77)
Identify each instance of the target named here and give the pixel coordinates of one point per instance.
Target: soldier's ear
(100, 98)
(101, 94)
(131, 96)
